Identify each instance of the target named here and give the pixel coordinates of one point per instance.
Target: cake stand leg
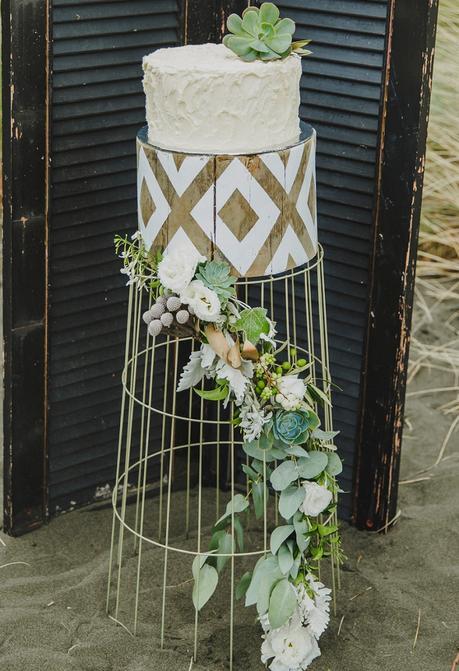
(198, 549)
(143, 485)
(169, 491)
(120, 441)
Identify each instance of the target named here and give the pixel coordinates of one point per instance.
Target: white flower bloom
(291, 647)
(316, 499)
(253, 418)
(238, 378)
(315, 612)
(204, 301)
(291, 392)
(177, 268)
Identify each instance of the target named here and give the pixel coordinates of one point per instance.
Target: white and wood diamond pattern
(258, 212)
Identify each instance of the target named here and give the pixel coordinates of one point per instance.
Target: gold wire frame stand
(179, 461)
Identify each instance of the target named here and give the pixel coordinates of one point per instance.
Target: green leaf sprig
(261, 34)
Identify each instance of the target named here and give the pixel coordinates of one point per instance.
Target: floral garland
(276, 412)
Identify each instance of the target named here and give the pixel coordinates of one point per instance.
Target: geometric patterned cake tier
(257, 212)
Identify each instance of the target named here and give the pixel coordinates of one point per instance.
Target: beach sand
(397, 609)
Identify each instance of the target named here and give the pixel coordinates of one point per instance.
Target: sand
(52, 608)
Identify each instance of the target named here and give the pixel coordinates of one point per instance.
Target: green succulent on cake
(261, 34)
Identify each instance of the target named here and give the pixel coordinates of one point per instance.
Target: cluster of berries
(166, 311)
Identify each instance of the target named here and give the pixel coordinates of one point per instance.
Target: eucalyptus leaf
(198, 562)
(215, 540)
(265, 566)
(295, 567)
(225, 547)
(290, 500)
(264, 592)
(282, 603)
(249, 472)
(334, 466)
(258, 493)
(243, 585)
(296, 451)
(301, 530)
(285, 558)
(324, 435)
(283, 475)
(237, 505)
(313, 466)
(279, 536)
(204, 586)
(239, 531)
(252, 449)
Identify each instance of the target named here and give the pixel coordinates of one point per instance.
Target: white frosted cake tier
(204, 98)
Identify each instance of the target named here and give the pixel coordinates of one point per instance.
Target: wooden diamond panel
(258, 212)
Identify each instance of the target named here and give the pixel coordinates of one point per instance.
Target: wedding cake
(204, 98)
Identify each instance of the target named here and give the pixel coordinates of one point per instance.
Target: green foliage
(285, 558)
(313, 466)
(216, 275)
(335, 465)
(279, 535)
(259, 492)
(219, 393)
(253, 322)
(283, 475)
(266, 574)
(205, 584)
(261, 34)
(243, 585)
(290, 500)
(318, 395)
(301, 526)
(237, 505)
(282, 603)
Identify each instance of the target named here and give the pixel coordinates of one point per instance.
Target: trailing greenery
(276, 408)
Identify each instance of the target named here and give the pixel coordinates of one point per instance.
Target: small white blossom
(292, 647)
(316, 498)
(253, 418)
(204, 301)
(177, 268)
(291, 392)
(315, 611)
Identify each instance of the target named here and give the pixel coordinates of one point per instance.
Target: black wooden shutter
(97, 107)
(340, 97)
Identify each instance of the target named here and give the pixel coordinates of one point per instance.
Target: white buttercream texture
(203, 98)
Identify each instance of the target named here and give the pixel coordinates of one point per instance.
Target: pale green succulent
(261, 34)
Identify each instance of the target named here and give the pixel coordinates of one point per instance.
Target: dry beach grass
(397, 609)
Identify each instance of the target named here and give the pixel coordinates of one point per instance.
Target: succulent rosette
(261, 34)
(293, 427)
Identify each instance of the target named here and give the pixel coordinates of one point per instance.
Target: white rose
(177, 268)
(316, 499)
(203, 300)
(291, 392)
(291, 384)
(291, 647)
